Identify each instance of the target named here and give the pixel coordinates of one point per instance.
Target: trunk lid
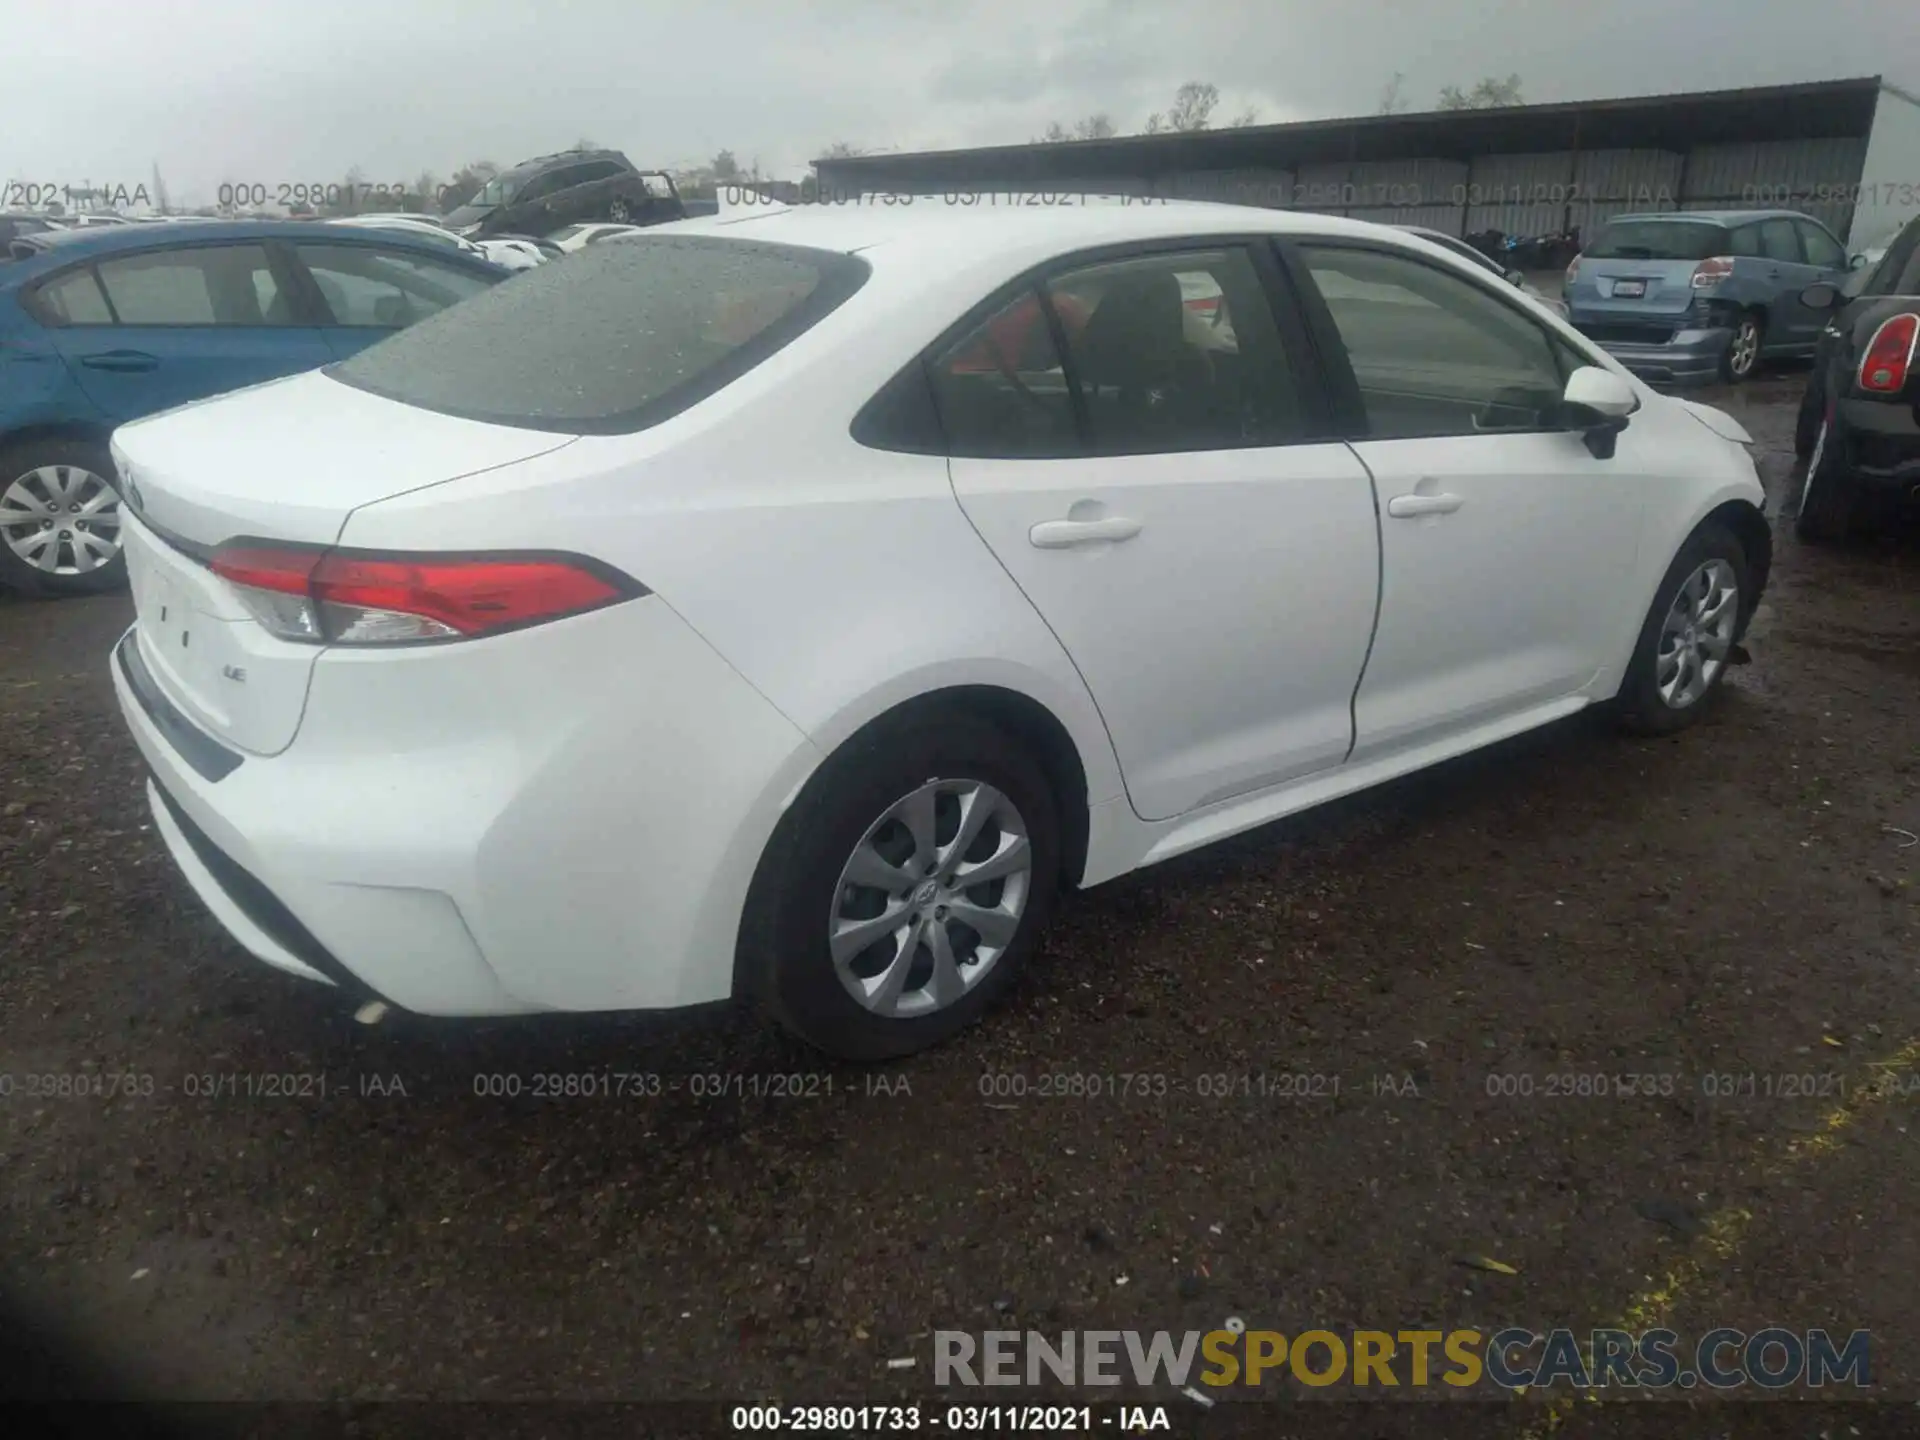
(289, 460)
(1628, 287)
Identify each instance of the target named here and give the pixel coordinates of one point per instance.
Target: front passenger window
(1435, 354)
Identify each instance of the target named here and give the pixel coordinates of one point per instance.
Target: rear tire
(1829, 496)
(1688, 637)
(58, 511)
(850, 813)
(1742, 356)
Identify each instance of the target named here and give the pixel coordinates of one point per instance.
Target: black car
(537, 197)
(1859, 424)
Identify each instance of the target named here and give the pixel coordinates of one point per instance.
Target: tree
(1192, 106)
(1056, 134)
(585, 144)
(1248, 116)
(1391, 101)
(1488, 93)
(1156, 122)
(841, 150)
(466, 183)
(725, 168)
(1094, 127)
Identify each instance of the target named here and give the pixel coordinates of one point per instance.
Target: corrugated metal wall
(1523, 194)
(1272, 189)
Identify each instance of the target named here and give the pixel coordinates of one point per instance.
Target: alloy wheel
(1746, 348)
(1697, 635)
(61, 520)
(620, 211)
(931, 898)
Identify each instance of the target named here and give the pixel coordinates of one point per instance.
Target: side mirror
(1857, 262)
(1597, 403)
(1821, 296)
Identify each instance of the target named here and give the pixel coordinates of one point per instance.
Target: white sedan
(508, 666)
(578, 237)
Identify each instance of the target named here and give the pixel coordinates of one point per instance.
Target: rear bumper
(502, 828)
(1883, 444)
(1691, 356)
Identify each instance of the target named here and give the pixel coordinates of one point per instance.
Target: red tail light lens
(1889, 359)
(333, 597)
(1712, 272)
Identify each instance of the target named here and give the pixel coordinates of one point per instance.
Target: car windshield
(619, 338)
(497, 191)
(1659, 240)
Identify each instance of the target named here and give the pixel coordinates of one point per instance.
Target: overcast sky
(264, 91)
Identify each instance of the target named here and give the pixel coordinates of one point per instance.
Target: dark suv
(537, 197)
(1859, 423)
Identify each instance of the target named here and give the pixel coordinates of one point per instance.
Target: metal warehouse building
(1844, 151)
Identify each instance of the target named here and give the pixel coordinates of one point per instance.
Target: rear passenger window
(212, 285)
(1177, 352)
(1002, 391)
(1779, 242)
(1745, 240)
(73, 299)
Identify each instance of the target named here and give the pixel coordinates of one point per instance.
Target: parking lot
(1728, 908)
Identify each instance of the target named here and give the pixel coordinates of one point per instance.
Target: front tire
(1688, 637)
(59, 519)
(1742, 357)
(905, 890)
(1829, 496)
(1806, 424)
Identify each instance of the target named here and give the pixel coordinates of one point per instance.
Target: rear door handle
(1059, 534)
(122, 361)
(1409, 507)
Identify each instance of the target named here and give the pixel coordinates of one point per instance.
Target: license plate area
(1629, 289)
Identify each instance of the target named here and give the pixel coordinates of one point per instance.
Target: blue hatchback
(102, 326)
(1702, 294)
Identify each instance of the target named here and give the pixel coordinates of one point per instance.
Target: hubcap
(1746, 345)
(61, 519)
(931, 898)
(1697, 635)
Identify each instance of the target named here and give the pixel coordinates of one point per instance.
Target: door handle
(1409, 507)
(1059, 534)
(121, 361)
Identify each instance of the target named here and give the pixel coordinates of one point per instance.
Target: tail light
(1889, 359)
(339, 597)
(1711, 272)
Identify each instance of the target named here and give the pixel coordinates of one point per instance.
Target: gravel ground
(1735, 901)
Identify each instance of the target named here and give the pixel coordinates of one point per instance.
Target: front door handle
(1059, 534)
(122, 361)
(1409, 507)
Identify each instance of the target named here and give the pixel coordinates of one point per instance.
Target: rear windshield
(618, 338)
(1659, 240)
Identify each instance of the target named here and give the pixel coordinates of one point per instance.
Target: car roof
(563, 157)
(62, 247)
(1715, 217)
(923, 224)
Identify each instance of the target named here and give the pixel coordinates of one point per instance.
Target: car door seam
(953, 489)
(1379, 602)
